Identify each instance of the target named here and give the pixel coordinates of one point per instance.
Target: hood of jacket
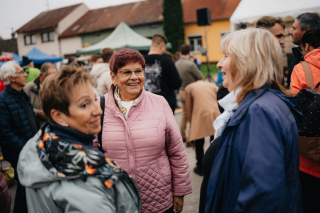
(98, 69)
(313, 58)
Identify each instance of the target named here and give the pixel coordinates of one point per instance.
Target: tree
(173, 23)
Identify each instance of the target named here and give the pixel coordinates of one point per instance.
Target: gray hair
(7, 70)
(45, 67)
(309, 20)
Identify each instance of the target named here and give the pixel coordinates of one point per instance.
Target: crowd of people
(106, 140)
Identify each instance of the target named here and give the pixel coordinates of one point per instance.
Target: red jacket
(2, 86)
(298, 82)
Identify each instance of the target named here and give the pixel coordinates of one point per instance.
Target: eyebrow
(85, 96)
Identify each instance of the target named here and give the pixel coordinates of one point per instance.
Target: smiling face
(224, 64)
(129, 87)
(297, 33)
(84, 111)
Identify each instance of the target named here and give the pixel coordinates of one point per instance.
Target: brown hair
(268, 22)
(125, 56)
(185, 49)
(94, 58)
(45, 67)
(159, 39)
(106, 54)
(55, 90)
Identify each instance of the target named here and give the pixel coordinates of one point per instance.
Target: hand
(178, 203)
(41, 114)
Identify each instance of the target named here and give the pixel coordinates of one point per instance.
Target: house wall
(144, 30)
(71, 18)
(51, 47)
(213, 36)
(70, 45)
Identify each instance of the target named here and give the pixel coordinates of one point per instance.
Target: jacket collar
(36, 86)
(243, 107)
(111, 104)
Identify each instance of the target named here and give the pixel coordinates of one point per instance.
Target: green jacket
(31, 72)
(51, 194)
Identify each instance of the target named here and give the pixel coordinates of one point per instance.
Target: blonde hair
(256, 60)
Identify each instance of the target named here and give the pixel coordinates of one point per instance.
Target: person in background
(309, 170)
(96, 59)
(101, 71)
(260, 114)
(18, 123)
(141, 134)
(161, 75)
(189, 73)
(2, 86)
(33, 87)
(275, 25)
(202, 109)
(59, 167)
(302, 24)
(29, 69)
(72, 61)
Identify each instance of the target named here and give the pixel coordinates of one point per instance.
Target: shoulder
(28, 86)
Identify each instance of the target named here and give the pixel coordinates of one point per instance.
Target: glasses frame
(21, 72)
(122, 75)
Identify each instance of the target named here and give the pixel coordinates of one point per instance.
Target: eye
(138, 71)
(84, 105)
(127, 73)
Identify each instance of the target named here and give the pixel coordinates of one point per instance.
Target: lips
(136, 84)
(95, 122)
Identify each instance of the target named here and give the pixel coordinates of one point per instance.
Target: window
(195, 43)
(29, 39)
(47, 36)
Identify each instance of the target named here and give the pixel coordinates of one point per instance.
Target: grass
(213, 69)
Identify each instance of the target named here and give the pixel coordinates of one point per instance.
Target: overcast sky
(15, 13)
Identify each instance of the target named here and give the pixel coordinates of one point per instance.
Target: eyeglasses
(21, 72)
(128, 73)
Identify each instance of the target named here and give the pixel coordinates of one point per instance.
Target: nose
(219, 65)
(133, 75)
(281, 40)
(290, 33)
(25, 74)
(97, 110)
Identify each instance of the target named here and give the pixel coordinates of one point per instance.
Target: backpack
(102, 105)
(309, 106)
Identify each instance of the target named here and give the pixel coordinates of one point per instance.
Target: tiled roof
(47, 20)
(143, 12)
(9, 45)
(220, 9)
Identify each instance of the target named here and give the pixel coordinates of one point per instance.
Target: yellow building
(220, 11)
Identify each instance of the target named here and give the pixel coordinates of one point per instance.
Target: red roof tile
(47, 20)
(219, 8)
(137, 13)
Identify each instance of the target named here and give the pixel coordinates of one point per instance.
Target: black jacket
(17, 123)
(294, 60)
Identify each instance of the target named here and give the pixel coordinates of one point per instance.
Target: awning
(251, 10)
(39, 57)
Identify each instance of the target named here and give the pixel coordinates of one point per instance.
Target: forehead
(17, 67)
(52, 70)
(131, 66)
(296, 24)
(277, 29)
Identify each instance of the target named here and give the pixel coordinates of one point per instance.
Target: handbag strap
(102, 105)
(307, 70)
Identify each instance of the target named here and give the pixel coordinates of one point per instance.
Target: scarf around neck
(124, 106)
(65, 159)
(229, 105)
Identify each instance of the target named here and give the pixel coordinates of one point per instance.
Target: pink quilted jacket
(149, 147)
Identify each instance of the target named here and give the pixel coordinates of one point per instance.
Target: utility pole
(47, 5)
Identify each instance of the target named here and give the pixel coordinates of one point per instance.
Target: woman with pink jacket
(140, 133)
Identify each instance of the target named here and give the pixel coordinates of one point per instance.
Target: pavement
(191, 202)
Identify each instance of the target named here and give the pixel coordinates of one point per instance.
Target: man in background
(33, 87)
(189, 73)
(275, 25)
(95, 59)
(101, 71)
(161, 75)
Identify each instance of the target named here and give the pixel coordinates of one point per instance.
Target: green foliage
(213, 69)
(173, 23)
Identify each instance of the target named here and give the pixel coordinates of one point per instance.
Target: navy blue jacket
(15, 128)
(256, 168)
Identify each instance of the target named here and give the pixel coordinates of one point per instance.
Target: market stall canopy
(16, 58)
(39, 57)
(249, 11)
(122, 37)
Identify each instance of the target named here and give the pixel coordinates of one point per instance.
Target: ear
(12, 79)
(58, 117)
(114, 78)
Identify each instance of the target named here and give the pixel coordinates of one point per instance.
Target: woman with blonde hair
(256, 168)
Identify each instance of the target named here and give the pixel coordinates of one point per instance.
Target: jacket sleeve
(298, 79)
(177, 155)
(174, 77)
(196, 72)
(8, 138)
(263, 171)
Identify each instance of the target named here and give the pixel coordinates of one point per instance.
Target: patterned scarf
(124, 106)
(65, 159)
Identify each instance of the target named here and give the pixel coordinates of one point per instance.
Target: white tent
(251, 10)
